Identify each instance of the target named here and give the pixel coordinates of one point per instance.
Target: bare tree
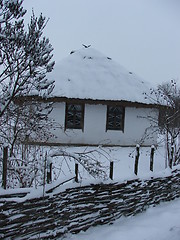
(167, 97)
(25, 59)
(87, 158)
(24, 122)
(25, 55)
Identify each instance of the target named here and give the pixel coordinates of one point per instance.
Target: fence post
(111, 170)
(49, 173)
(152, 158)
(44, 177)
(136, 159)
(4, 175)
(76, 172)
(171, 157)
(49, 170)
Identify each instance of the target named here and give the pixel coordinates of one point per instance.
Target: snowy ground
(123, 158)
(158, 223)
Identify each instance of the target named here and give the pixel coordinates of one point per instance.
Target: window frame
(107, 118)
(81, 127)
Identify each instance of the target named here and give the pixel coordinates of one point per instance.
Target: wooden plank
(4, 174)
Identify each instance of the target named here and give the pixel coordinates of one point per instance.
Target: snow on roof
(88, 74)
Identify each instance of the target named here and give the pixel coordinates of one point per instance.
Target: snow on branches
(25, 55)
(25, 59)
(167, 99)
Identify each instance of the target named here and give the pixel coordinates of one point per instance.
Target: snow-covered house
(98, 102)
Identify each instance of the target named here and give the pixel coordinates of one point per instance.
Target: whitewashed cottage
(98, 102)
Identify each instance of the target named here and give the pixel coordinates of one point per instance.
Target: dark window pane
(115, 118)
(74, 116)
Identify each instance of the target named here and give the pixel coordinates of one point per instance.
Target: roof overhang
(86, 101)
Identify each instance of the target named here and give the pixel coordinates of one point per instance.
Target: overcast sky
(142, 35)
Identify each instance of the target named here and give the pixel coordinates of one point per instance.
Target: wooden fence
(79, 208)
(48, 167)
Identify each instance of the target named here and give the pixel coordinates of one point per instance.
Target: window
(74, 116)
(115, 118)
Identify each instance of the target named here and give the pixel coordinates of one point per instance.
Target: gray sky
(142, 35)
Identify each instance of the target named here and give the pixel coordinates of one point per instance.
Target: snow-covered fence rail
(79, 208)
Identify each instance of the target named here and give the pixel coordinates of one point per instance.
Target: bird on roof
(86, 46)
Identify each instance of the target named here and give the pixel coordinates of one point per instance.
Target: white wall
(95, 127)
